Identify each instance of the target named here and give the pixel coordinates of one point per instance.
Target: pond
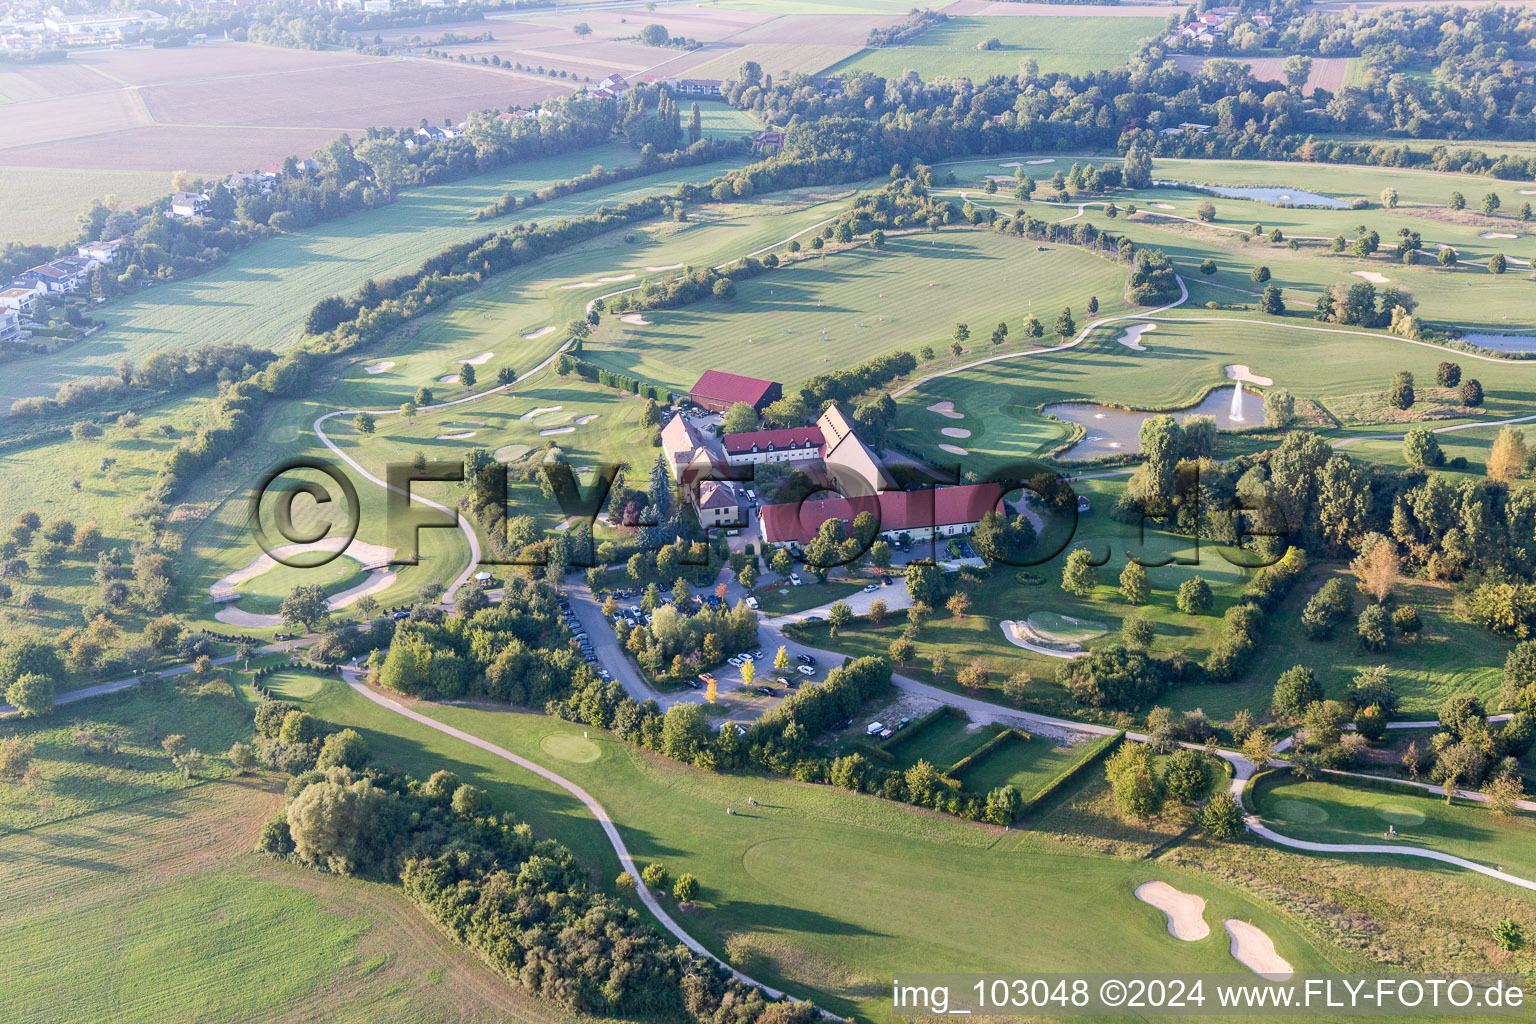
(1111, 431)
(1279, 196)
(1501, 342)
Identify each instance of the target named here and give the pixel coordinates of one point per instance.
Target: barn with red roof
(717, 391)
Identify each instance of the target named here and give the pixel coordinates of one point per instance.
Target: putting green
(1399, 814)
(1304, 811)
(1064, 627)
(577, 749)
(508, 452)
(296, 685)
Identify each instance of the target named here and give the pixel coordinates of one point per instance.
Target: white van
(873, 729)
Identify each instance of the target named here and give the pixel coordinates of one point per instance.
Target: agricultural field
(1071, 44)
(195, 108)
(56, 196)
(168, 914)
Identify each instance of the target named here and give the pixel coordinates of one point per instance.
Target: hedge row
(981, 753)
(1090, 757)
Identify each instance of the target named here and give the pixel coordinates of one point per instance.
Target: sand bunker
(540, 332)
(1042, 160)
(1162, 206)
(479, 360)
(1370, 275)
(960, 432)
(597, 281)
(1185, 910)
(953, 449)
(1020, 635)
(669, 266)
(448, 378)
(1253, 948)
(359, 551)
(250, 620)
(377, 581)
(462, 435)
(582, 421)
(1237, 371)
(541, 410)
(508, 452)
(1131, 337)
(946, 409)
(380, 366)
(636, 319)
(557, 430)
(1497, 234)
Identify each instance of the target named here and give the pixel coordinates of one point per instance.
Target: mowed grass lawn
(1026, 765)
(162, 911)
(942, 742)
(1072, 44)
(824, 892)
(826, 314)
(1326, 812)
(262, 294)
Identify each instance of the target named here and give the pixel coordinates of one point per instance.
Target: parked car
(767, 691)
(705, 677)
(903, 724)
(871, 588)
(885, 581)
(794, 578)
(873, 728)
(757, 654)
(886, 734)
(397, 616)
(806, 658)
(752, 603)
(806, 670)
(841, 724)
(813, 618)
(693, 684)
(734, 661)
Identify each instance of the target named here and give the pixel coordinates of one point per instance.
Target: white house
(718, 504)
(58, 276)
(20, 298)
(188, 204)
(102, 252)
(10, 325)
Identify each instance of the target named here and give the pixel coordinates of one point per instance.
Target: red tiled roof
(719, 386)
(898, 510)
(713, 494)
(773, 440)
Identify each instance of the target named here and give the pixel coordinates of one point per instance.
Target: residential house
(111, 24)
(10, 325)
(614, 83)
(58, 276)
(188, 204)
(689, 455)
(696, 86)
(20, 299)
(768, 142)
(102, 252)
(717, 391)
(253, 181)
(718, 504)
